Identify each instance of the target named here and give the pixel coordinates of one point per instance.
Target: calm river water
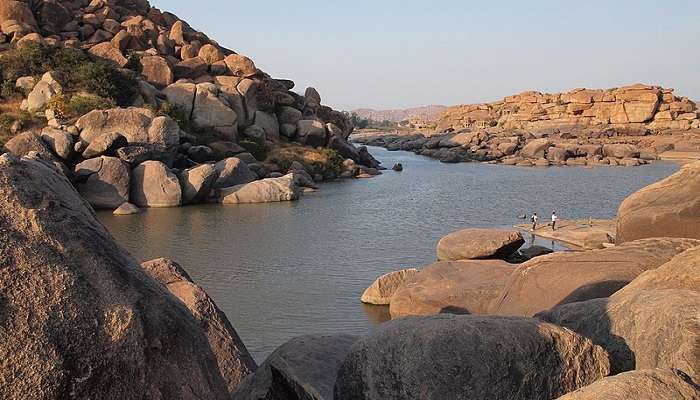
(289, 269)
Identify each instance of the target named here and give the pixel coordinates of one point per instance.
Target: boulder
(264, 191)
(648, 384)
(232, 358)
(468, 357)
(24, 143)
(197, 182)
(224, 149)
(60, 142)
(645, 329)
(103, 182)
(479, 244)
(344, 148)
(134, 123)
(200, 154)
(106, 51)
(210, 110)
(312, 132)
(210, 54)
(107, 144)
(17, 11)
(301, 369)
(191, 68)
(381, 290)
(153, 185)
(454, 287)
(182, 95)
(126, 209)
(670, 207)
(157, 71)
(80, 318)
(269, 124)
(232, 172)
(241, 66)
(682, 272)
(38, 99)
(621, 151)
(561, 278)
(536, 148)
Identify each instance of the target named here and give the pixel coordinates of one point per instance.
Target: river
(289, 269)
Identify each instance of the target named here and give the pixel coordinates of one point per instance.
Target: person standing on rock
(534, 220)
(554, 219)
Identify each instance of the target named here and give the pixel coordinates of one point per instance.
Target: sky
(387, 54)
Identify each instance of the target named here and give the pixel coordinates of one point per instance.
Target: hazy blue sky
(391, 53)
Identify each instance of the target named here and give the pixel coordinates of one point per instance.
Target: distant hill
(426, 113)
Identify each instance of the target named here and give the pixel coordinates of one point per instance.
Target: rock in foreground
(648, 329)
(479, 243)
(668, 208)
(457, 287)
(560, 278)
(469, 357)
(385, 286)
(648, 384)
(304, 368)
(80, 317)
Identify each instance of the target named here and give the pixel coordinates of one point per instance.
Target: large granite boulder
(197, 182)
(536, 148)
(305, 368)
(478, 244)
(80, 318)
(153, 185)
(24, 143)
(58, 141)
(645, 329)
(157, 71)
(560, 278)
(211, 111)
(263, 191)
(103, 182)
(670, 208)
(231, 355)
(682, 272)
(240, 66)
(381, 290)
(469, 357)
(136, 124)
(648, 384)
(457, 287)
(621, 151)
(232, 172)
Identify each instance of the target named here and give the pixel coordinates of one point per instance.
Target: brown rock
(635, 333)
(231, 355)
(107, 51)
(103, 182)
(157, 71)
(561, 278)
(648, 384)
(79, 315)
(669, 208)
(191, 68)
(24, 143)
(210, 54)
(126, 209)
(381, 290)
(153, 185)
(456, 287)
(479, 244)
(240, 66)
(620, 151)
(468, 357)
(264, 191)
(536, 148)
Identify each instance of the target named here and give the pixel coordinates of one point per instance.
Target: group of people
(534, 219)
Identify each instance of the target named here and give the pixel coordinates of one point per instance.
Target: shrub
(326, 162)
(9, 91)
(258, 150)
(6, 121)
(175, 112)
(79, 105)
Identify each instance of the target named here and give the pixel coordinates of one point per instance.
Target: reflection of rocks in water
(376, 314)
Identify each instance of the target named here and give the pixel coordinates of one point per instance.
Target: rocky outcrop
(648, 384)
(80, 317)
(233, 360)
(669, 208)
(468, 357)
(303, 368)
(561, 278)
(384, 287)
(264, 191)
(457, 287)
(479, 244)
(645, 329)
(681, 272)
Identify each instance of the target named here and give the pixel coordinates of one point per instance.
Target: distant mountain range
(427, 113)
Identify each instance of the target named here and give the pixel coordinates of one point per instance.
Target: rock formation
(478, 244)
(81, 319)
(669, 208)
(384, 287)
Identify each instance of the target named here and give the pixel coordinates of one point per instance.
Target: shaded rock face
(444, 357)
(303, 368)
(456, 287)
(478, 244)
(385, 286)
(264, 191)
(103, 182)
(231, 355)
(646, 329)
(24, 143)
(648, 384)
(682, 272)
(669, 208)
(197, 182)
(561, 278)
(79, 317)
(233, 171)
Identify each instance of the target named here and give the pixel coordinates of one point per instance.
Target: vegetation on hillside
(366, 123)
(325, 162)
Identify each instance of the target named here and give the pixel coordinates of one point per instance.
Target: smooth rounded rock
(384, 287)
(479, 244)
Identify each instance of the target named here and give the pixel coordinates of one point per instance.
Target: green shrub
(258, 150)
(9, 91)
(79, 105)
(6, 121)
(175, 112)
